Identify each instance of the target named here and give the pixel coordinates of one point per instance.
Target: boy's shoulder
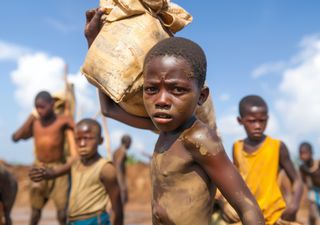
(202, 138)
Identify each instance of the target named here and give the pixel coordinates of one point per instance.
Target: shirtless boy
(189, 161)
(119, 159)
(310, 173)
(49, 133)
(93, 179)
(259, 159)
(8, 191)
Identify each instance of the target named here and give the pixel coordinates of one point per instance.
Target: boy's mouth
(162, 117)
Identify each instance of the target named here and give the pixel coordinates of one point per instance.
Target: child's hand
(290, 213)
(93, 24)
(38, 174)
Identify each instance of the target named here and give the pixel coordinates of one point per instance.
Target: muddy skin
(180, 184)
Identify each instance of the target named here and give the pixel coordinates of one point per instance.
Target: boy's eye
(179, 90)
(150, 90)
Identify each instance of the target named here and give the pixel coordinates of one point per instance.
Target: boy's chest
(52, 130)
(175, 160)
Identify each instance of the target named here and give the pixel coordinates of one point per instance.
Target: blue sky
(270, 48)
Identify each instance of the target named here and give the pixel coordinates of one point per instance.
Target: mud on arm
(209, 153)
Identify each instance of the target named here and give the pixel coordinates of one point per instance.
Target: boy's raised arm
(110, 109)
(213, 159)
(109, 179)
(286, 164)
(25, 131)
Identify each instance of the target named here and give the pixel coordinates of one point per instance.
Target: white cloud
(268, 68)
(229, 126)
(299, 102)
(9, 51)
(39, 71)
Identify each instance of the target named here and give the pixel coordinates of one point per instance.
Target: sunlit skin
(49, 136)
(189, 161)
(254, 122)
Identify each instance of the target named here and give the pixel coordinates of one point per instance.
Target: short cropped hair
(125, 139)
(44, 95)
(184, 48)
(249, 101)
(91, 122)
(307, 145)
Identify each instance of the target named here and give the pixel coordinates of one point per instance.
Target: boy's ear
(101, 140)
(203, 95)
(239, 119)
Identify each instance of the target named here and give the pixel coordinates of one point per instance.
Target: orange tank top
(260, 171)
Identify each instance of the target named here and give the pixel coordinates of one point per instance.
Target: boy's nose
(163, 101)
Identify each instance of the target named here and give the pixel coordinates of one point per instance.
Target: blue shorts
(101, 219)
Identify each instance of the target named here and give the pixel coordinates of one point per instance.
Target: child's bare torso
(49, 139)
(182, 191)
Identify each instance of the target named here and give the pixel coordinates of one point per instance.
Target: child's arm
(286, 163)
(109, 179)
(110, 109)
(70, 136)
(38, 174)
(208, 152)
(25, 131)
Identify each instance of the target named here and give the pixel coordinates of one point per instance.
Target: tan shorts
(55, 189)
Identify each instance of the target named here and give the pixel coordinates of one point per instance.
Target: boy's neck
(181, 128)
(48, 120)
(91, 160)
(253, 144)
(309, 163)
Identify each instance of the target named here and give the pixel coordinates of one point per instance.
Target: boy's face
(305, 154)
(170, 92)
(87, 140)
(254, 122)
(44, 108)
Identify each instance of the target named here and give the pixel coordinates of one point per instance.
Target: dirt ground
(137, 211)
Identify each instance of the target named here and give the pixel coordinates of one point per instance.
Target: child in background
(48, 132)
(93, 180)
(119, 159)
(310, 173)
(259, 159)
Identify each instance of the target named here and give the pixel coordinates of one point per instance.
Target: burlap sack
(130, 28)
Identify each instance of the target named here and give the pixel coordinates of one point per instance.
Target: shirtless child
(93, 179)
(8, 191)
(189, 161)
(310, 173)
(119, 159)
(48, 131)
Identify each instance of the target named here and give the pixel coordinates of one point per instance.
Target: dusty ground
(137, 211)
